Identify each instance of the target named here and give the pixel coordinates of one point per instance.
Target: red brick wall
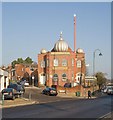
(70, 90)
(28, 70)
(51, 70)
(19, 71)
(73, 90)
(59, 70)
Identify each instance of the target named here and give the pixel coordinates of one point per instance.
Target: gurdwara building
(61, 65)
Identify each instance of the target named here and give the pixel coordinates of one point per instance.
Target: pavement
(63, 95)
(16, 102)
(108, 116)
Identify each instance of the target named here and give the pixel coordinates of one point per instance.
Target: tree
(28, 60)
(13, 63)
(100, 79)
(20, 60)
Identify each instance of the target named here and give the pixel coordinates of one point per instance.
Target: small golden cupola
(61, 45)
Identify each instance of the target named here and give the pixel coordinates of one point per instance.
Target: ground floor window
(64, 77)
(55, 77)
(79, 77)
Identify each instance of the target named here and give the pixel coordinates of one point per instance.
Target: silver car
(110, 91)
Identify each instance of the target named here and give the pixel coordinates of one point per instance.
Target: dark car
(67, 85)
(8, 93)
(19, 89)
(50, 91)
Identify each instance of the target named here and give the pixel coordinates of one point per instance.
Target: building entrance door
(42, 79)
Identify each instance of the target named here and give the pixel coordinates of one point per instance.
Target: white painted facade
(4, 79)
(90, 80)
(42, 79)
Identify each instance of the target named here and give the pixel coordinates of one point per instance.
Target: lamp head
(100, 54)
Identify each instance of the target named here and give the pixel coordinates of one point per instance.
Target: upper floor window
(64, 62)
(55, 62)
(43, 74)
(42, 64)
(72, 62)
(79, 64)
(47, 62)
(72, 76)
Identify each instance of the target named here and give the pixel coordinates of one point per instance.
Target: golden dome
(61, 45)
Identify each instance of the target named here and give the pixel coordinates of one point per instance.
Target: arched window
(64, 77)
(55, 77)
(79, 77)
(72, 62)
(79, 64)
(43, 74)
(47, 62)
(64, 62)
(55, 62)
(42, 64)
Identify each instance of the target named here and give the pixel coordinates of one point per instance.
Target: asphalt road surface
(35, 94)
(75, 108)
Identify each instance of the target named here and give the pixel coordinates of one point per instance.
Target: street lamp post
(100, 54)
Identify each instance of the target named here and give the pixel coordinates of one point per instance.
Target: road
(69, 108)
(36, 95)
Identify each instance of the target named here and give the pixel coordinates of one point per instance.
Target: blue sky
(29, 27)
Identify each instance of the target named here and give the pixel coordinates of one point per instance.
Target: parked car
(104, 90)
(50, 91)
(9, 93)
(19, 89)
(23, 82)
(26, 84)
(110, 91)
(67, 85)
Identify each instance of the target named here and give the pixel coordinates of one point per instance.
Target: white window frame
(55, 62)
(55, 79)
(42, 64)
(79, 64)
(64, 62)
(47, 62)
(72, 61)
(64, 78)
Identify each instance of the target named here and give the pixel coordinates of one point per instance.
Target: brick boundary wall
(73, 90)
